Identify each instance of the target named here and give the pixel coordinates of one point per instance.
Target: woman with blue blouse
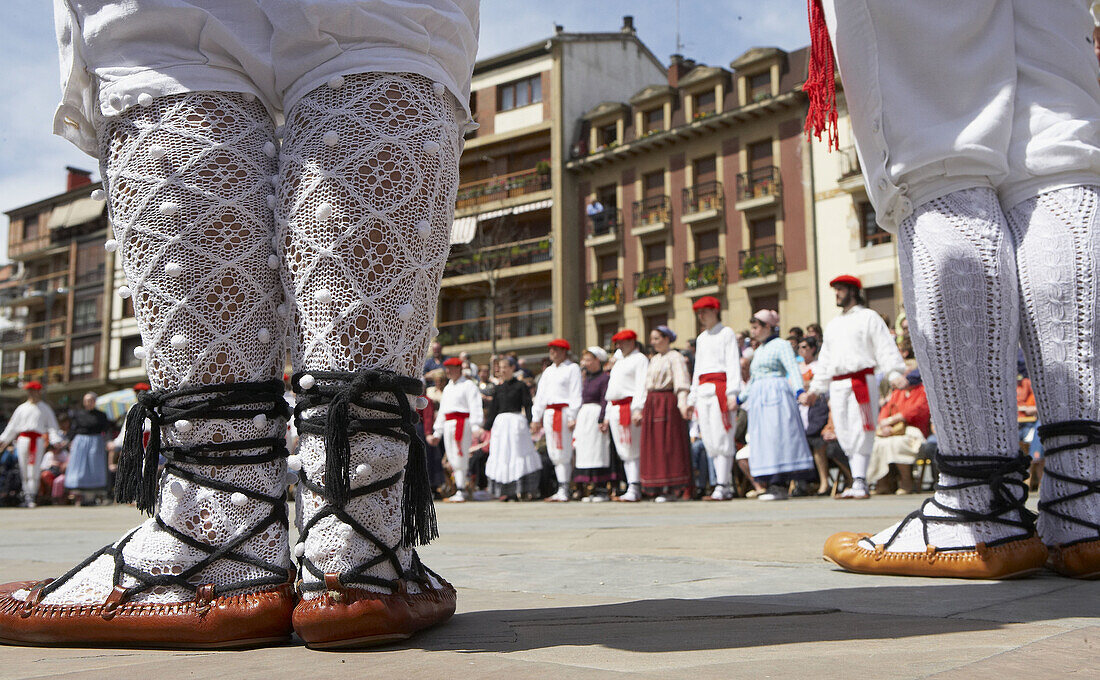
(778, 453)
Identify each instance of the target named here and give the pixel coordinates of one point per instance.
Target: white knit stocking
(369, 175)
(959, 279)
(189, 182)
(1057, 252)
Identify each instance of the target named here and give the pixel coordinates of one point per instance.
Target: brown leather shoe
(1014, 559)
(353, 617)
(207, 622)
(1080, 560)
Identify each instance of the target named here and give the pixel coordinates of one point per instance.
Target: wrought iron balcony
(759, 183)
(653, 282)
(502, 187)
(702, 197)
(604, 292)
(762, 261)
(710, 271)
(607, 221)
(509, 326)
(652, 210)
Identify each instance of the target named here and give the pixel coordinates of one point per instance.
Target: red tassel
(820, 85)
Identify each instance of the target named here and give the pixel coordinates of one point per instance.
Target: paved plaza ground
(674, 590)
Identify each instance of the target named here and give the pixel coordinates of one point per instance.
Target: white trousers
(559, 455)
(717, 440)
(458, 453)
(114, 51)
(29, 470)
(627, 439)
(946, 95)
(848, 423)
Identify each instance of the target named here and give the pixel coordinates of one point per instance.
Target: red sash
(719, 382)
(862, 394)
(624, 416)
(557, 425)
(32, 449)
(460, 425)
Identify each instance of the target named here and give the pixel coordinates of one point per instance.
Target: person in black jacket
(514, 466)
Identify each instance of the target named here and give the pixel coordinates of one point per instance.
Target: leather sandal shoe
(1079, 560)
(1013, 559)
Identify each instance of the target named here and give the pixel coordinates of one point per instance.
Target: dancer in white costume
(33, 428)
(457, 422)
(625, 398)
(857, 348)
(557, 401)
(591, 440)
(715, 385)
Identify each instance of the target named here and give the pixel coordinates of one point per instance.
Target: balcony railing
(504, 255)
(501, 187)
(762, 261)
(605, 222)
(702, 197)
(604, 292)
(94, 276)
(36, 332)
(758, 183)
(653, 282)
(849, 163)
(53, 374)
(509, 326)
(652, 210)
(39, 285)
(710, 271)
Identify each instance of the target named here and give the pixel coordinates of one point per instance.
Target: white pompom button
(307, 382)
(438, 89)
(405, 312)
(238, 498)
(299, 549)
(336, 82)
(270, 201)
(291, 478)
(99, 195)
(140, 353)
(124, 292)
(421, 403)
(322, 295)
(273, 261)
(331, 138)
(157, 152)
(179, 341)
(145, 99)
(294, 462)
(248, 96)
(269, 149)
(263, 335)
(431, 147)
(347, 531)
(173, 269)
(168, 208)
(115, 102)
(282, 310)
(176, 489)
(110, 245)
(280, 130)
(423, 227)
(362, 470)
(259, 420)
(183, 426)
(435, 332)
(324, 211)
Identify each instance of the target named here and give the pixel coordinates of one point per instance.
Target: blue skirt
(777, 440)
(87, 463)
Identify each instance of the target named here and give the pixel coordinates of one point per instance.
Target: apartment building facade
(705, 188)
(514, 278)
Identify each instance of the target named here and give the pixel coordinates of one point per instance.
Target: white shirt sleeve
(538, 405)
(641, 367)
(733, 367)
(1095, 9)
(13, 428)
(57, 437)
(824, 372)
(477, 410)
(575, 384)
(887, 357)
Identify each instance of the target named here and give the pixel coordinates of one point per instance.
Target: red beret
(453, 361)
(33, 385)
(850, 280)
(142, 387)
(559, 342)
(706, 302)
(625, 334)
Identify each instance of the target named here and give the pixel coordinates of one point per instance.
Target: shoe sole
(1015, 575)
(251, 643)
(361, 642)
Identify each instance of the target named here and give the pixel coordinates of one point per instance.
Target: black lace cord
(1089, 432)
(338, 391)
(1001, 474)
(231, 401)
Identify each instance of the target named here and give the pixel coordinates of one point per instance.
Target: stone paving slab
(700, 590)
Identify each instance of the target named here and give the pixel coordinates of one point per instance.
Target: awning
(116, 404)
(78, 212)
(463, 230)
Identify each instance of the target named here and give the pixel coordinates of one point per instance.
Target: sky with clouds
(32, 160)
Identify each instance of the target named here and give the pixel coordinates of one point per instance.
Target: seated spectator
(1027, 416)
(904, 424)
(51, 480)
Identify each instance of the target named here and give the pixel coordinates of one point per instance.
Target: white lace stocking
(368, 180)
(959, 279)
(189, 182)
(1057, 252)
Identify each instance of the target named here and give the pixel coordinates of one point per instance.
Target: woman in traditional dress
(591, 440)
(666, 454)
(514, 467)
(87, 470)
(778, 450)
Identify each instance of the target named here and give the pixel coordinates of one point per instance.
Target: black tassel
(136, 477)
(337, 451)
(418, 522)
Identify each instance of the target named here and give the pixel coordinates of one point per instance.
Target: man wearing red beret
(714, 388)
(857, 347)
(625, 398)
(557, 400)
(33, 427)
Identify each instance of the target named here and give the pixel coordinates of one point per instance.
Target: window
(760, 154)
(519, 93)
(608, 196)
(604, 331)
(706, 244)
(762, 232)
(760, 86)
(608, 135)
(765, 302)
(90, 264)
(654, 119)
(704, 103)
(880, 299)
(30, 227)
(10, 363)
(86, 314)
(607, 266)
(704, 170)
(127, 358)
(83, 364)
(654, 255)
(651, 322)
(653, 184)
(870, 233)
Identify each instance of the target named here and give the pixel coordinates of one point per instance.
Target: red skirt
(665, 449)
